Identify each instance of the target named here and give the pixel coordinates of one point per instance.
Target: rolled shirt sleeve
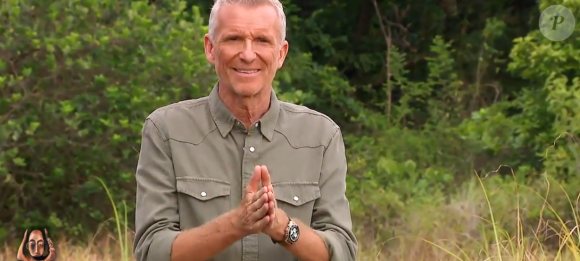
(156, 214)
(331, 218)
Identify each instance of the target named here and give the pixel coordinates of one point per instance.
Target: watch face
(293, 233)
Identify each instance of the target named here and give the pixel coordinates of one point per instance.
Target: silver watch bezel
(292, 229)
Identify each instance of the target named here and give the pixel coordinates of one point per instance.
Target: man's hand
(252, 213)
(267, 183)
(278, 218)
(277, 228)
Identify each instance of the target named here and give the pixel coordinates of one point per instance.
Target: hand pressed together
(258, 210)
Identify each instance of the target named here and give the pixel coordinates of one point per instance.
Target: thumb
(255, 180)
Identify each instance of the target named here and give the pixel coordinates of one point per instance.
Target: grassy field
(479, 224)
(420, 250)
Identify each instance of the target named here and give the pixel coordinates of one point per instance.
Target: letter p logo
(557, 23)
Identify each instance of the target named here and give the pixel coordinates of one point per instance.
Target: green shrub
(77, 80)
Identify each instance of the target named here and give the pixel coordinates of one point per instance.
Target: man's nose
(248, 54)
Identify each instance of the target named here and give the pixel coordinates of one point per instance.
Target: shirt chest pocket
(297, 199)
(201, 200)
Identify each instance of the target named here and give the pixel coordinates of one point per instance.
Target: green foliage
(77, 82)
(422, 107)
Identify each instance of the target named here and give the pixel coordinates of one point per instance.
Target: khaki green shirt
(196, 159)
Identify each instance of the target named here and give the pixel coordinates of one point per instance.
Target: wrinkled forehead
(262, 18)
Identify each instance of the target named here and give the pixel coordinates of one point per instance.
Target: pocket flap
(296, 194)
(201, 188)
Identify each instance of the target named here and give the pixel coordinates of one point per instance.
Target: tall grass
(506, 247)
(439, 243)
(120, 221)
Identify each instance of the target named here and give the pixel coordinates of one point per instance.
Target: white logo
(557, 23)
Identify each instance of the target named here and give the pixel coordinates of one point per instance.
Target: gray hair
(274, 3)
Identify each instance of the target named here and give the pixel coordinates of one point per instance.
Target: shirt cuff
(332, 243)
(160, 248)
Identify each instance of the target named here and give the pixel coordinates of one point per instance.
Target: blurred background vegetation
(431, 95)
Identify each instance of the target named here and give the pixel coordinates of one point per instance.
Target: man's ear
(208, 47)
(283, 53)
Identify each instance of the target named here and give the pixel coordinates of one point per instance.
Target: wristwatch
(291, 233)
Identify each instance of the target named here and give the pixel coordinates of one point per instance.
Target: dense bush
(77, 81)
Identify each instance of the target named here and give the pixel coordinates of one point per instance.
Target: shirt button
(252, 149)
(257, 124)
(203, 194)
(296, 198)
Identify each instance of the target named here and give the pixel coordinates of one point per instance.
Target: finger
(261, 223)
(273, 205)
(259, 194)
(261, 201)
(271, 196)
(271, 200)
(260, 213)
(266, 181)
(271, 208)
(46, 232)
(272, 212)
(254, 184)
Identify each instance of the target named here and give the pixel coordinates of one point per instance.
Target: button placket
(249, 161)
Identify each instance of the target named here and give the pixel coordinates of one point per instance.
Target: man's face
(247, 49)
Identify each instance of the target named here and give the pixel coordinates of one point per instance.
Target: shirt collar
(225, 120)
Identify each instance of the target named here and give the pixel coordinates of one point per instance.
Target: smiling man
(240, 175)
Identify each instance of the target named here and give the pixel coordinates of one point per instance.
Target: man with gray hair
(240, 175)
